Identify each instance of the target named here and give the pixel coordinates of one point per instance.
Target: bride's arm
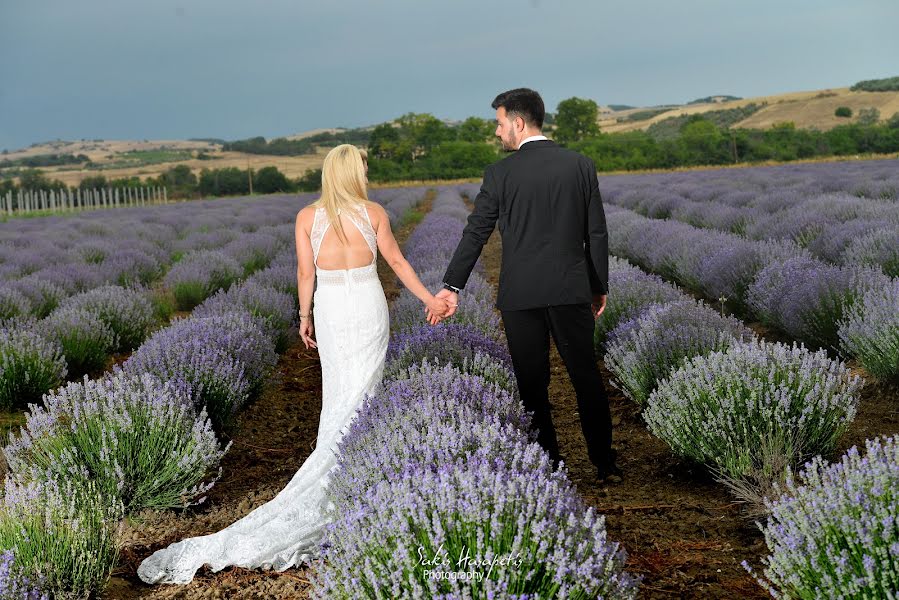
(391, 252)
(305, 268)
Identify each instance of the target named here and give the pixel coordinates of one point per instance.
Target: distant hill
(807, 110)
(710, 99)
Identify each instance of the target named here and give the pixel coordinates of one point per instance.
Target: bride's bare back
(333, 254)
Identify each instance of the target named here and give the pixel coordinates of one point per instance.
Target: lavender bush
(15, 585)
(199, 274)
(253, 251)
(222, 361)
(870, 331)
(62, 536)
(134, 436)
(878, 248)
(807, 298)
(447, 343)
(12, 302)
(754, 409)
(281, 278)
(85, 339)
(834, 531)
(512, 526)
(273, 308)
(43, 295)
(30, 366)
(630, 291)
(404, 423)
(647, 348)
(129, 313)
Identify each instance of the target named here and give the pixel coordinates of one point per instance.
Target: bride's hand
(306, 331)
(437, 309)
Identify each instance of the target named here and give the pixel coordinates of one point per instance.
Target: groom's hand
(452, 299)
(598, 305)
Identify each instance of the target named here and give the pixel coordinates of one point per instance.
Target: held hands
(598, 305)
(442, 306)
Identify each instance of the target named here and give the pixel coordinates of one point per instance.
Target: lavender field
(751, 333)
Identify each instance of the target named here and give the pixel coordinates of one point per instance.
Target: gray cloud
(177, 69)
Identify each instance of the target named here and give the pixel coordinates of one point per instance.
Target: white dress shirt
(533, 138)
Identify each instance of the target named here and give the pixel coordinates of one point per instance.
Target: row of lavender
(850, 310)
(835, 210)
(751, 412)
(441, 490)
(143, 436)
(93, 300)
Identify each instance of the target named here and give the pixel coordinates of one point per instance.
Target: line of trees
(419, 146)
(700, 141)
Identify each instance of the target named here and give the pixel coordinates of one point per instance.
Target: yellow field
(812, 109)
(107, 151)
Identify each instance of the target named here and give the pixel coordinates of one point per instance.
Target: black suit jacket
(555, 244)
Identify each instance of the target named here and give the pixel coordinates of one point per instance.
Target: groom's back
(543, 191)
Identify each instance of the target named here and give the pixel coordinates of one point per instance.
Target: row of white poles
(28, 200)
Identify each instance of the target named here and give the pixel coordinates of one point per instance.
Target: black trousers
(571, 325)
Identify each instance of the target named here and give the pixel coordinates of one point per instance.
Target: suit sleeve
(480, 225)
(596, 237)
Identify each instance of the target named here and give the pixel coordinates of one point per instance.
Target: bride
(337, 239)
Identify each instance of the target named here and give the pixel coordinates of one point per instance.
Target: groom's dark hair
(524, 103)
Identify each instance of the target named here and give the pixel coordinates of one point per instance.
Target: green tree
(455, 159)
(576, 120)
(35, 179)
(843, 111)
(311, 181)
(269, 180)
(93, 182)
(475, 129)
(384, 143)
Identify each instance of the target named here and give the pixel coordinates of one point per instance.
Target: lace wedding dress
(351, 328)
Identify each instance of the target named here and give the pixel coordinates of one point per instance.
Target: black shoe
(609, 472)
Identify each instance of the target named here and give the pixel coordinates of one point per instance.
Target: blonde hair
(343, 183)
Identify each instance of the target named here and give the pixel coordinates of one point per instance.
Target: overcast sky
(175, 69)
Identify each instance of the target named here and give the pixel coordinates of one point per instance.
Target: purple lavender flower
(833, 532)
(199, 274)
(752, 406)
(447, 343)
(630, 291)
(135, 436)
(85, 339)
(14, 584)
(404, 423)
(645, 349)
(129, 313)
(222, 360)
(513, 519)
(274, 309)
(64, 535)
(870, 330)
(30, 366)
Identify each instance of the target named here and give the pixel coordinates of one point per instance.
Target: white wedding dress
(351, 329)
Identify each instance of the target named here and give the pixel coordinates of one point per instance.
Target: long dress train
(351, 329)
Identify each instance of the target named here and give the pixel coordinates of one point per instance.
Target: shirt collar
(533, 138)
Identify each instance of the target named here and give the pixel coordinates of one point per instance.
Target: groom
(554, 273)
